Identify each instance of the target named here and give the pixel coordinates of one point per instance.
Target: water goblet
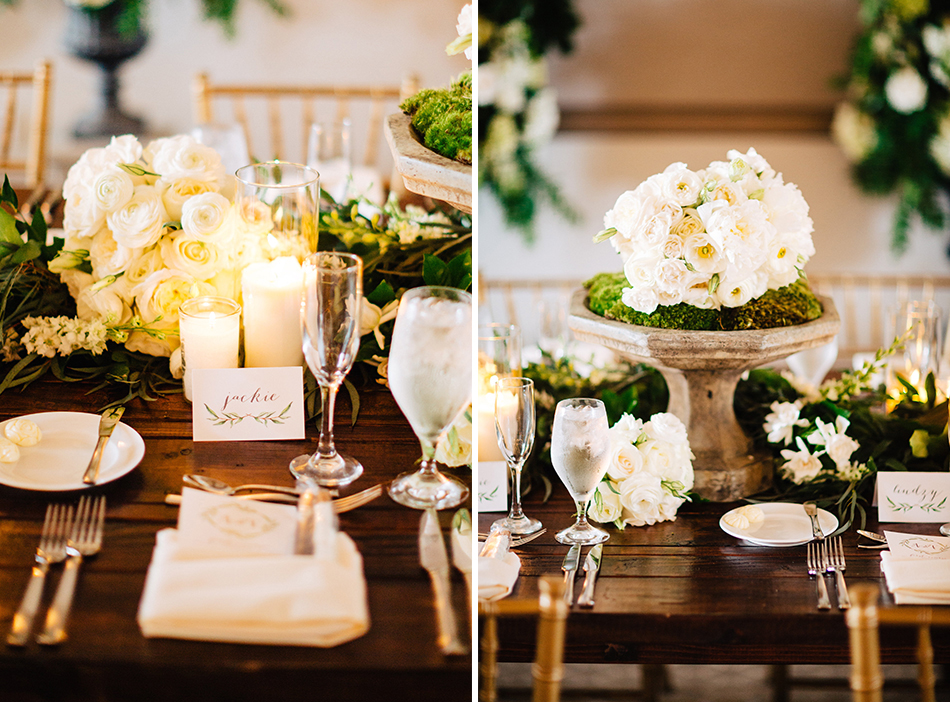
(430, 376)
(580, 452)
(329, 151)
(515, 428)
(333, 293)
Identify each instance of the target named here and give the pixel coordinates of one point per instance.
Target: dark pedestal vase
(93, 35)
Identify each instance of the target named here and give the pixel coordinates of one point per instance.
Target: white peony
(906, 91)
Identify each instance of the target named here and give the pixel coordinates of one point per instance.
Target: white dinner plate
(59, 460)
(785, 524)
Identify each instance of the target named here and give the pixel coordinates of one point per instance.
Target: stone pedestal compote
(701, 369)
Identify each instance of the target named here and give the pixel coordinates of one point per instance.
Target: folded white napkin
(497, 576)
(259, 598)
(917, 580)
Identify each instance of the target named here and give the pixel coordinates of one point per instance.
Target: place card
(913, 497)
(220, 525)
(492, 486)
(247, 404)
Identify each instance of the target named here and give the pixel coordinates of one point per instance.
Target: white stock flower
(780, 423)
(139, 223)
(801, 466)
(906, 91)
(183, 157)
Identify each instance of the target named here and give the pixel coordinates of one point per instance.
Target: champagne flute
(430, 375)
(333, 293)
(580, 452)
(515, 426)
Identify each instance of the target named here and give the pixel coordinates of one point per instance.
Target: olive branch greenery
(232, 419)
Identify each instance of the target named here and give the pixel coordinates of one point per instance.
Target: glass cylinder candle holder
(281, 200)
(272, 294)
(210, 335)
(499, 356)
(919, 324)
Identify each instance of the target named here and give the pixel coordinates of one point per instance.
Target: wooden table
(687, 592)
(107, 658)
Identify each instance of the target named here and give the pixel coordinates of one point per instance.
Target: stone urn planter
(702, 369)
(425, 172)
(95, 36)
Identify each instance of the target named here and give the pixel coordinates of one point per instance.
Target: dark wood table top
(107, 658)
(687, 592)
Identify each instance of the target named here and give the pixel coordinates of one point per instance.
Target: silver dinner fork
(85, 539)
(517, 541)
(816, 570)
(51, 549)
(835, 564)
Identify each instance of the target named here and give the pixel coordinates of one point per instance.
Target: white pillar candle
(272, 297)
(487, 441)
(210, 335)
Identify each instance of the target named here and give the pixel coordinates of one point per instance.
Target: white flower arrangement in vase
(650, 472)
(713, 238)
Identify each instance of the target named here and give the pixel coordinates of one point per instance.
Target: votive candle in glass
(210, 335)
(272, 295)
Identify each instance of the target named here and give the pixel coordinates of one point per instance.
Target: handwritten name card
(247, 404)
(913, 497)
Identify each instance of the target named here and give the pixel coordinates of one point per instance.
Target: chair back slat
(276, 133)
(25, 149)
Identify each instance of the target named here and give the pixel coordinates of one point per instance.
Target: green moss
(788, 306)
(443, 118)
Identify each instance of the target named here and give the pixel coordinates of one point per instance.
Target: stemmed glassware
(515, 427)
(333, 293)
(430, 376)
(499, 356)
(580, 452)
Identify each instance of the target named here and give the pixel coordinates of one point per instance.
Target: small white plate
(785, 524)
(59, 460)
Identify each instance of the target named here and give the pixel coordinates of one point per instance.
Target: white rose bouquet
(650, 472)
(146, 229)
(718, 237)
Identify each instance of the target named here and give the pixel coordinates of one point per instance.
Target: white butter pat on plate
(783, 524)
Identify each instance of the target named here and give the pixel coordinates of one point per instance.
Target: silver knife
(591, 566)
(435, 560)
(569, 566)
(106, 424)
(812, 511)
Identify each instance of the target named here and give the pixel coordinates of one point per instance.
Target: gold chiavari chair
(307, 101)
(33, 160)
(864, 620)
(548, 668)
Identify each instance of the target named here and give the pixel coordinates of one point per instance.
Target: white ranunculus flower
(681, 185)
(605, 506)
(202, 216)
(640, 496)
(183, 157)
(82, 217)
(199, 259)
(123, 149)
(107, 256)
(112, 189)
(175, 193)
(139, 223)
(906, 91)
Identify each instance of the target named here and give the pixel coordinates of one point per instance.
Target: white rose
(906, 91)
(140, 222)
(141, 267)
(183, 157)
(605, 506)
(456, 451)
(103, 303)
(659, 457)
(176, 192)
(199, 259)
(640, 268)
(161, 294)
(669, 506)
(624, 461)
(667, 427)
(203, 215)
(641, 495)
(112, 189)
(681, 184)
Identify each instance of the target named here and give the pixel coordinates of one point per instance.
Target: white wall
(350, 41)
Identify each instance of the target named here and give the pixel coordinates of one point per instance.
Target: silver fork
(834, 563)
(85, 539)
(815, 570)
(517, 540)
(51, 549)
